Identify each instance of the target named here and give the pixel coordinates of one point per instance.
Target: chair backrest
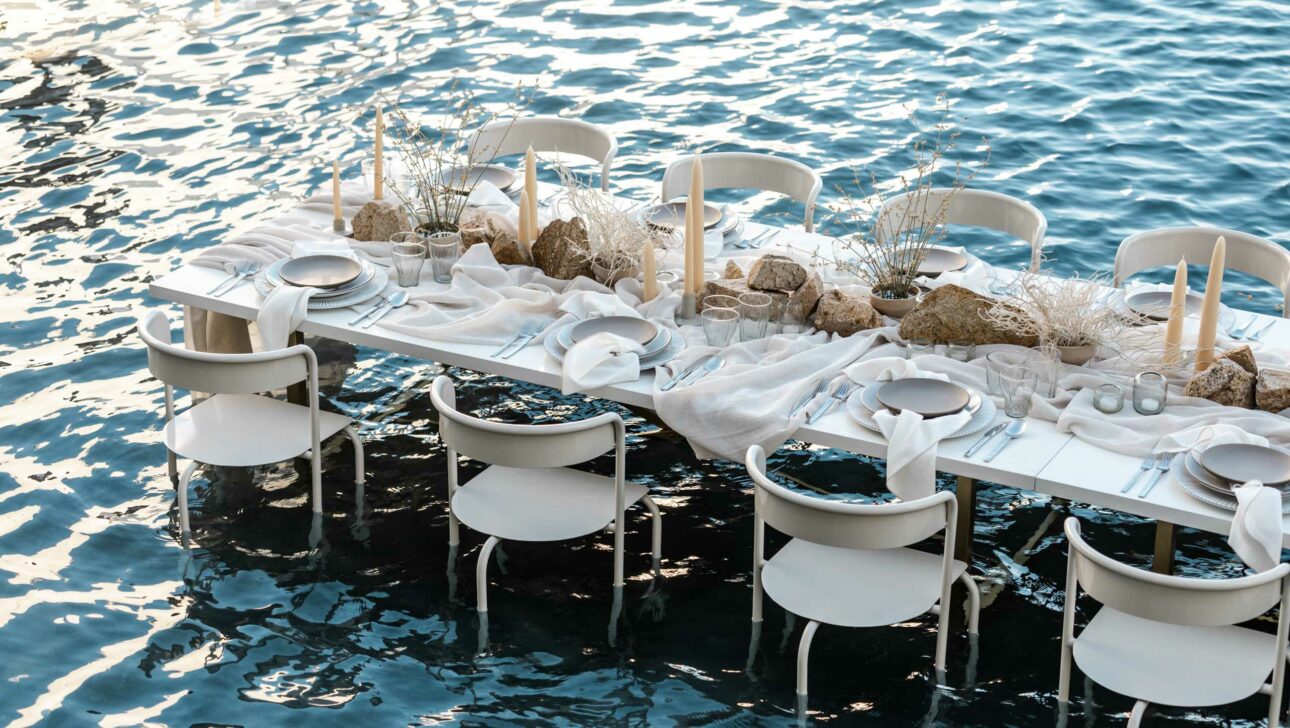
(974, 208)
(846, 525)
(505, 137)
(747, 170)
(523, 446)
(1172, 599)
(1246, 253)
(200, 371)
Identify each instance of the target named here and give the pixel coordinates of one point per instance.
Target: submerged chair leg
(315, 468)
(974, 602)
(360, 477)
(481, 573)
(1135, 715)
(803, 655)
(182, 496)
(172, 467)
(656, 540)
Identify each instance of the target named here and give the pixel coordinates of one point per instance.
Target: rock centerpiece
(1224, 382)
(953, 313)
(787, 282)
(562, 250)
(844, 314)
(776, 273)
(378, 220)
(1272, 392)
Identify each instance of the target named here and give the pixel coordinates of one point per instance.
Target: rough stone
(507, 252)
(733, 270)
(1242, 356)
(808, 294)
(1224, 382)
(776, 273)
(1272, 393)
(561, 251)
(735, 287)
(378, 220)
(844, 313)
(953, 313)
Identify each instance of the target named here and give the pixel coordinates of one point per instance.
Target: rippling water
(136, 133)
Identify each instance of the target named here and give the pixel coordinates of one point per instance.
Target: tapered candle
(378, 165)
(690, 286)
(337, 218)
(694, 208)
(1209, 311)
(1177, 312)
(526, 223)
(530, 186)
(649, 271)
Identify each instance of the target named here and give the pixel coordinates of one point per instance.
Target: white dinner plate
(273, 272)
(1195, 489)
(981, 418)
(564, 336)
(676, 345)
(321, 303)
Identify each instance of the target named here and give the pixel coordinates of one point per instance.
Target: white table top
(1043, 460)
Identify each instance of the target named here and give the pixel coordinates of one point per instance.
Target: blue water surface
(137, 133)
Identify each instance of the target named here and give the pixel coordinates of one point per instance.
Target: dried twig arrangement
(616, 238)
(1062, 312)
(887, 243)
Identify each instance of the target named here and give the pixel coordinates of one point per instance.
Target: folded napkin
(333, 246)
(282, 312)
(600, 360)
(911, 449)
(590, 304)
(1256, 527)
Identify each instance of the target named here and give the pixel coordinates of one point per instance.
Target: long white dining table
(1043, 460)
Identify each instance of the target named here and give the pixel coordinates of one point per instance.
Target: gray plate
(657, 344)
(927, 397)
(1240, 463)
(671, 215)
(1204, 494)
(940, 260)
(320, 271)
(1155, 304)
(628, 327)
(862, 404)
(464, 179)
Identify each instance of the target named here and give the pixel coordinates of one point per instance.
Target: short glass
(1108, 398)
(408, 260)
(996, 361)
(445, 250)
(1018, 387)
(411, 236)
(918, 347)
(1048, 367)
(754, 315)
(1149, 392)
(717, 300)
(720, 325)
(961, 350)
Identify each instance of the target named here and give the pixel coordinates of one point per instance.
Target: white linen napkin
(600, 360)
(334, 246)
(911, 449)
(282, 312)
(1256, 527)
(590, 304)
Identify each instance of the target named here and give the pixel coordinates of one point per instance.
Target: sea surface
(134, 134)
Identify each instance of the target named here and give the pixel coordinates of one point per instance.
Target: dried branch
(616, 238)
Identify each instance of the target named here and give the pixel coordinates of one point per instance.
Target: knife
(806, 398)
(989, 435)
(685, 373)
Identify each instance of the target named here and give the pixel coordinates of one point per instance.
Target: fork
(1162, 465)
(769, 236)
(527, 334)
(1258, 335)
(838, 395)
(249, 268)
(227, 278)
(748, 242)
(515, 338)
(1147, 464)
(1240, 331)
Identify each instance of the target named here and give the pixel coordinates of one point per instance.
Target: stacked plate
(938, 260)
(670, 217)
(661, 343)
(344, 281)
(1211, 475)
(464, 179)
(1153, 304)
(928, 397)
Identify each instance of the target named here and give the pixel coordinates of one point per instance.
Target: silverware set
(377, 311)
(1243, 332)
(702, 368)
(240, 272)
(758, 240)
(1156, 464)
(1010, 430)
(527, 333)
(839, 394)
(805, 399)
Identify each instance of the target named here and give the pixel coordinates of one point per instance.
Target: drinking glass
(445, 249)
(1108, 398)
(411, 236)
(994, 362)
(918, 347)
(961, 350)
(1047, 363)
(720, 325)
(754, 315)
(1018, 386)
(408, 259)
(1149, 392)
(717, 300)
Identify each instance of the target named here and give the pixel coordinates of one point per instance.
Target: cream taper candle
(526, 225)
(694, 209)
(649, 271)
(530, 185)
(337, 218)
(1209, 311)
(378, 163)
(1177, 313)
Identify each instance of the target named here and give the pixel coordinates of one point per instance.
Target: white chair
(747, 170)
(1246, 253)
(505, 137)
(848, 563)
(974, 208)
(1170, 639)
(237, 426)
(528, 492)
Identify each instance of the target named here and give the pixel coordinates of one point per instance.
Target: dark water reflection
(137, 133)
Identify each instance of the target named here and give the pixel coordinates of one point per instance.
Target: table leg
(963, 530)
(1162, 561)
(297, 393)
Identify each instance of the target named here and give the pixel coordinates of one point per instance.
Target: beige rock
(1272, 393)
(808, 294)
(561, 250)
(732, 270)
(735, 287)
(507, 252)
(776, 273)
(1224, 382)
(843, 313)
(378, 220)
(1244, 357)
(952, 313)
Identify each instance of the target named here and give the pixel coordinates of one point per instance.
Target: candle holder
(1149, 392)
(342, 228)
(1108, 398)
(689, 310)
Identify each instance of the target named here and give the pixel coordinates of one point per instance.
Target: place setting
(659, 344)
(931, 398)
(342, 281)
(722, 226)
(1211, 474)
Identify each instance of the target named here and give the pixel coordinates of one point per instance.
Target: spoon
(398, 298)
(1013, 431)
(711, 365)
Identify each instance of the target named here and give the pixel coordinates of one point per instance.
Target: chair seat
(1172, 664)
(246, 429)
(854, 587)
(539, 504)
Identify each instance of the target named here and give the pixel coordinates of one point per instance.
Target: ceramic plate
(928, 397)
(1198, 491)
(940, 260)
(628, 327)
(671, 215)
(264, 285)
(320, 271)
(1155, 304)
(1241, 463)
(273, 273)
(869, 398)
(465, 178)
(675, 346)
(657, 344)
(983, 414)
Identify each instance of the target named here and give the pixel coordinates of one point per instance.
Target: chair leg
(172, 467)
(974, 602)
(181, 495)
(481, 573)
(315, 471)
(803, 655)
(360, 477)
(656, 540)
(1135, 715)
